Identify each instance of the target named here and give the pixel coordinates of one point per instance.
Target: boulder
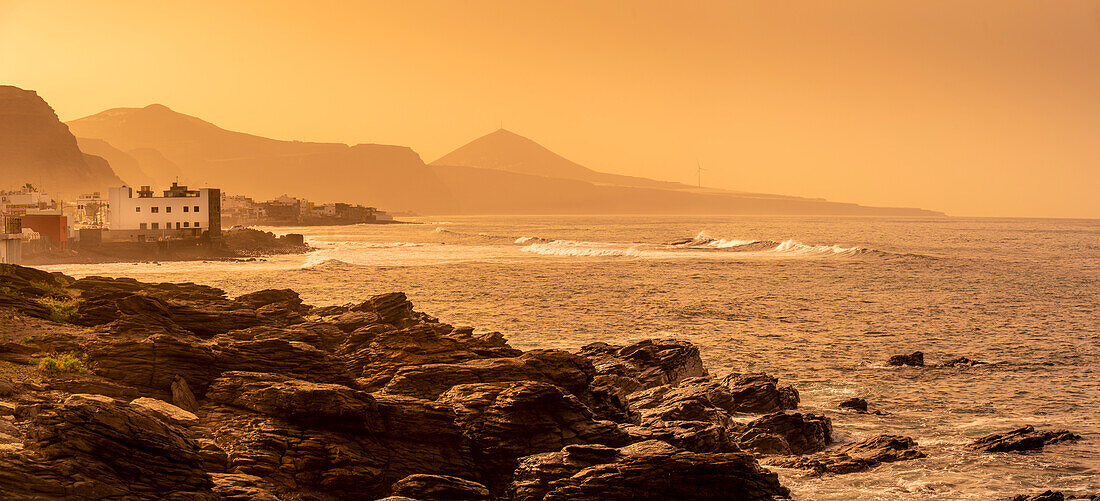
(181, 394)
(1021, 439)
(786, 433)
(854, 403)
(440, 488)
(960, 362)
(855, 457)
(915, 359)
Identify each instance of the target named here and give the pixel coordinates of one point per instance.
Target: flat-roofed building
(179, 213)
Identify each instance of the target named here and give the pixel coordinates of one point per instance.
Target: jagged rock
(181, 394)
(95, 447)
(164, 411)
(392, 308)
(647, 363)
(91, 383)
(759, 393)
(1050, 495)
(291, 358)
(566, 370)
(695, 436)
(915, 359)
(799, 433)
(960, 362)
(1021, 439)
(376, 353)
(154, 362)
(506, 421)
(241, 487)
(644, 473)
(855, 457)
(329, 405)
(440, 488)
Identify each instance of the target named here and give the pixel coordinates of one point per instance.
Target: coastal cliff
(113, 388)
(35, 147)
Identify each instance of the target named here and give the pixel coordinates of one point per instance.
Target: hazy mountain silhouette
(501, 173)
(36, 148)
(508, 151)
(388, 176)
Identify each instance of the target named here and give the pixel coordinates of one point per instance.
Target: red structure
(52, 227)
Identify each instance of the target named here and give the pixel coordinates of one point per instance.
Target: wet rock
(393, 308)
(1050, 495)
(801, 433)
(960, 362)
(440, 488)
(1021, 439)
(855, 403)
(915, 359)
(855, 457)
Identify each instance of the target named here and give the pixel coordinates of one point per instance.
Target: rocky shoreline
(234, 245)
(117, 389)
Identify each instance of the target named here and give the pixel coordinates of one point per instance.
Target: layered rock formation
(183, 393)
(36, 148)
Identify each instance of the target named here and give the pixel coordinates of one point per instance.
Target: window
(143, 226)
(185, 223)
(196, 224)
(177, 225)
(154, 210)
(137, 209)
(168, 209)
(196, 208)
(185, 208)
(156, 226)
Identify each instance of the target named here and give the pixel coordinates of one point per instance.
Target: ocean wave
(583, 249)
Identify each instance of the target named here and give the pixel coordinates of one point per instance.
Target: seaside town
(36, 223)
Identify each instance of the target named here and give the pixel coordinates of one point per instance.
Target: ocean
(819, 302)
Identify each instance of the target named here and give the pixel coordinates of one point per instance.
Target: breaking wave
(702, 245)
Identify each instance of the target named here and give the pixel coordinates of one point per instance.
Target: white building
(178, 213)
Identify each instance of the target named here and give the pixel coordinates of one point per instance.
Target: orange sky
(985, 108)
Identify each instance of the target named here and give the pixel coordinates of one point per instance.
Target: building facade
(179, 213)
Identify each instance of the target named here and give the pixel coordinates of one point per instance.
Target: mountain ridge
(499, 173)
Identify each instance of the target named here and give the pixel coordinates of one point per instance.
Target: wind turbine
(699, 172)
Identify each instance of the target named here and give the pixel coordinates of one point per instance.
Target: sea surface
(820, 303)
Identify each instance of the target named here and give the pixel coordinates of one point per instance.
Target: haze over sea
(820, 303)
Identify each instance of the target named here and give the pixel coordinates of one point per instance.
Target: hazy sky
(971, 107)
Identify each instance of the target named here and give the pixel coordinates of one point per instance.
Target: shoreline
(212, 381)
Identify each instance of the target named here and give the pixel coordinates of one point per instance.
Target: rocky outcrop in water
(915, 359)
(1022, 439)
(1054, 496)
(859, 456)
(176, 391)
